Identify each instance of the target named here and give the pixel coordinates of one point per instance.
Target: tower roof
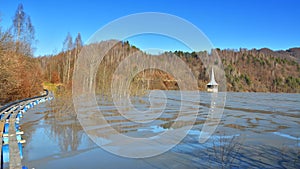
(212, 80)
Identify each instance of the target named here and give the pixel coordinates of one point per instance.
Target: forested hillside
(22, 75)
(253, 70)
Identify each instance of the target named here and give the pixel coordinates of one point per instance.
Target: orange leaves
(20, 77)
(55, 77)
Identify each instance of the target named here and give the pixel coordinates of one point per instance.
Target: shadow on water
(231, 151)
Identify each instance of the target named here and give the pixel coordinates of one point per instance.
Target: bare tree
(78, 41)
(24, 31)
(19, 22)
(78, 45)
(67, 47)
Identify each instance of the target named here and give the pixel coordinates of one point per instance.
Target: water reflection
(64, 126)
(256, 131)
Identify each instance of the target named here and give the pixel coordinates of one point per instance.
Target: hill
(261, 70)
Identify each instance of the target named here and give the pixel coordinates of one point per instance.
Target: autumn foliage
(20, 73)
(246, 70)
(20, 76)
(55, 77)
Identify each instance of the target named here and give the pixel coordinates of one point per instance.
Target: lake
(257, 130)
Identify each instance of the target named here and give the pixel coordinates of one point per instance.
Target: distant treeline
(253, 70)
(22, 75)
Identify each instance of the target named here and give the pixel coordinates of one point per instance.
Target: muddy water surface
(257, 130)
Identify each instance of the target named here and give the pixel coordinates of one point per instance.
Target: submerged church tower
(212, 86)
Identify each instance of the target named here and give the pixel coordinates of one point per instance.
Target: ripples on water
(257, 130)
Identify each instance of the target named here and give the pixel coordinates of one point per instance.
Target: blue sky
(228, 24)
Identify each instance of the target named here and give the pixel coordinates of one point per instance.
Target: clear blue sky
(228, 24)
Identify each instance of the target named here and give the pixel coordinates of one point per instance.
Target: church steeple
(212, 86)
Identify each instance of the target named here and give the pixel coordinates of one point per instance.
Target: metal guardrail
(18, 101)
(10, 135)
